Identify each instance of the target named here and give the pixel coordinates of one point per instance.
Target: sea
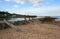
(21, 19)
(18, 19)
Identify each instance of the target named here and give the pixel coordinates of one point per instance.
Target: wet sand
(33, 31)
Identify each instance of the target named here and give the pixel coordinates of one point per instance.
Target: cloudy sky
(31, 7)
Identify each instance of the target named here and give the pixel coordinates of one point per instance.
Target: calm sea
(17, 19)
(21, 19)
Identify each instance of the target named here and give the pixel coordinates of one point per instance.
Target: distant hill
(2, 12)
(7, 14)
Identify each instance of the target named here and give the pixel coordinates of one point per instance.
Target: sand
(33, 31)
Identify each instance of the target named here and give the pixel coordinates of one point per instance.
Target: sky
(31, 7)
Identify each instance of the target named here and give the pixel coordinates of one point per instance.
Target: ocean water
(21, 19)
(18, 19)
(50, 16)
(58, 17)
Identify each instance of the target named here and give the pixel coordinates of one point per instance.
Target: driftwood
(14, 27)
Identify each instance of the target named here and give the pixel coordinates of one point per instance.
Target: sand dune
(34, 31)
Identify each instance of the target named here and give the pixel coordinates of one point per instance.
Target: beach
(29, 19)
(32, 31)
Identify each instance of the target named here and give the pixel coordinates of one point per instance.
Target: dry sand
(35, 31)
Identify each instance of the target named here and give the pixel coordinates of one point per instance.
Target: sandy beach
(33, 31)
